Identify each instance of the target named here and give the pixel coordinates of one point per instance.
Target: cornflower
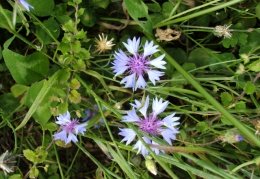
(69, 128)
(150, 124)
(25, 4)
(137, 66)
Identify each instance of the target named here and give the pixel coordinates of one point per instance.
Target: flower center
(150, 125)
(138, 64)
(70, 127)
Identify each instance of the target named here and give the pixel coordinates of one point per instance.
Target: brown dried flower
(167, 34)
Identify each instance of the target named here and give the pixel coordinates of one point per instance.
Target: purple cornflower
(137, 66)
(69, 128)
(151, 124)
(26, 5)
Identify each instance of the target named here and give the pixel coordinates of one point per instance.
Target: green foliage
(236, 39)
(25, 69)
(226, 98)
(49, 64)
(249, 87)
(257, 11)
(42, 8)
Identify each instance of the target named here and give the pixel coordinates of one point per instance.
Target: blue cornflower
(151, 124)
(137, 66)
(26, 5)
(69, 128)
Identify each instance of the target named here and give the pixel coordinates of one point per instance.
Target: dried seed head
(7, 162)
(222, 31)
(102, 44)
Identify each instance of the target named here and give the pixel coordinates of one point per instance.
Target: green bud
(74, 84)
(74, 96)
(151, 166)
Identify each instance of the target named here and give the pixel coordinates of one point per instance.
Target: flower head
(137, 66)
(26, 5)
(69, 128)
(7, 162)
(151, 124)
(102, 44)
(222, 31)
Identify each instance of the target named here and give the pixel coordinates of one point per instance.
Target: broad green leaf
(15, 176)
(136, 8)
(257, 11)
(255, 66)
(52, 26)
(202, 126)
(25, 69)
(18, 90)
(240, 105)
(249, 87)
(8, 103)
(154, 7)
(252, 44)
(40, 97)
(29, 155)
(237, 38)
(34, 172)
(167, 8)
(226, 98)
(5, 18)
(88, 18)
(41, 154)
(42, 8)
(201, 57)
(100, 3)
(42, 113)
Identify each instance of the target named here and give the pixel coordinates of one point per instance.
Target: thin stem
(58, 161)
(196, 14)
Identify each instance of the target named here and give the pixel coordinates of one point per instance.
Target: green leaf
(237, 38)
(167, 8)
(226, 98)
(29, 155)
(201, 57)
(257, 11)
(40, 98)
(240, 105)
(51, 126)
(8, 103)
(15, 176)
(41, 154)
(249, 87)
(5, 19)
(202, 126)
(18, 90)
(42, 113)
(25, 69)
(136, 8)
(100, 3)
(255, 66)
(88, 18)
(154, 7)
(34, 172)
(42, 8)
(52, 26)
(122, 163)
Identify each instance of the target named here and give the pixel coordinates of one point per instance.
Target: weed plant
(130, 89)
